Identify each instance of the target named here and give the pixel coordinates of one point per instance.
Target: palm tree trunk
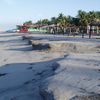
(97, 30)
(70, 30)
(90, 33)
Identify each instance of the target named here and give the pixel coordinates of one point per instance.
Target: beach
(70, 72)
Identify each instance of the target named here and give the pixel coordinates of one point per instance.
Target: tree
(98, 15)
(53, 20)
(83, 21)
(92, 16)
(45, 22)
(28, 22)
(62, 21)
(75, 21)
(82, 15)
(39, 22)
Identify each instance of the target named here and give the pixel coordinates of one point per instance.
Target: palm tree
(83, 21)
(45, 21)
(82, 15)
(91, 19)
(62, 22)
(39, 22)
(91, 16)
(28, 22)
(98, 15)
(54, 20)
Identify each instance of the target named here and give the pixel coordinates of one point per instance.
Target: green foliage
(53, 20)
(45, 21)
(62, 20)
(28, 22)
(86, 18)
(82, 15)
(82, 19)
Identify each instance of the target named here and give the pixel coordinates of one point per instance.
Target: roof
(96, 23)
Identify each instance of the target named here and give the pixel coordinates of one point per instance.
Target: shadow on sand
(22, 49)
(16, 77)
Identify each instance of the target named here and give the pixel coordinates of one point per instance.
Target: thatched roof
(96, 23)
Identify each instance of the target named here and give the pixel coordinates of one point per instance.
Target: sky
(14, 12)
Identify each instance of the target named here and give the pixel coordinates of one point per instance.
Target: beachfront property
(93, 28)
(83, 23)
(30, 28)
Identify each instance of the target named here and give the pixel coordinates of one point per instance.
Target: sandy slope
(78, 75)
(27, 74)
(21, 68)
